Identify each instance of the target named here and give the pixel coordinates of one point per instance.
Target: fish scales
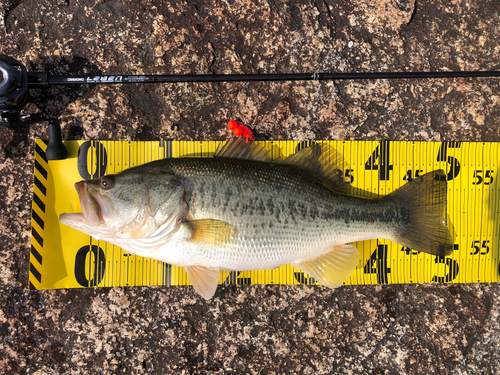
(243, 211)
(281, 213)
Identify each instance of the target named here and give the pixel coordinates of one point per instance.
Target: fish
(242, 210)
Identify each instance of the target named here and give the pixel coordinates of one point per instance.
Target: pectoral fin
(204, 280)
(210, 232)
(333, 268)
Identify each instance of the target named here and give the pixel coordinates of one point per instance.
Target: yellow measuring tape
(62, 257)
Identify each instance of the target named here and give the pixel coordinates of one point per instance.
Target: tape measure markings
(471, 229)
(479, 194)
(482, 222)
(494, 207)
(377, 168)
(496, 210)
(126, 268)
(493, 200)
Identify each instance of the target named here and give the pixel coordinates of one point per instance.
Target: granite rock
(247, 329)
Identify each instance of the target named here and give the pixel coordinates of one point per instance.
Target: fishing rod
(17, 80)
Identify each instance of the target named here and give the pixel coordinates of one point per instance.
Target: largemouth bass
(241, 211)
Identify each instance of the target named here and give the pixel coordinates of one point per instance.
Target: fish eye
(107, 182)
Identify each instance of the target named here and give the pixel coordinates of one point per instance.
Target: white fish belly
(256, 248)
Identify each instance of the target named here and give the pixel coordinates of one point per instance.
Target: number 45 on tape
(62, 257)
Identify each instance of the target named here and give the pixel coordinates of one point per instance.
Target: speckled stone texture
(398, 329)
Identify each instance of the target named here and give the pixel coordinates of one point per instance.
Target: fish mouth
(91, 214)
(91, 208)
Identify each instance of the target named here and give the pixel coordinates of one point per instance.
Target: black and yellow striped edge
(472, 170)
(40, 176)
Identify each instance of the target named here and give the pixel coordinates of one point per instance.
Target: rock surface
(248, 329)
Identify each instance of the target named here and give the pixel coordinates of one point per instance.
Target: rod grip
(55, 149)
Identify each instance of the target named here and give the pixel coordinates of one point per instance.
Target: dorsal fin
(239, 148)
(324, 161)
(319, 159)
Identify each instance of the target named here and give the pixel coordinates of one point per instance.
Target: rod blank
(38, 79)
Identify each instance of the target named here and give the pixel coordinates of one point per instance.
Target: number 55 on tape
(62, 257)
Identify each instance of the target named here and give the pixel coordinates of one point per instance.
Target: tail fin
(426, 229)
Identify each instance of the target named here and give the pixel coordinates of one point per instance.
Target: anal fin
(204, 279)
(333, 268)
